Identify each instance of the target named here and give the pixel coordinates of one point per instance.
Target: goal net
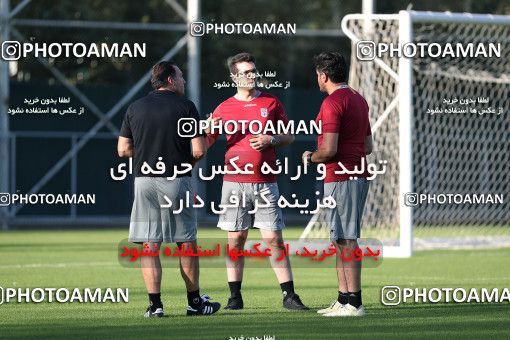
(442, 123)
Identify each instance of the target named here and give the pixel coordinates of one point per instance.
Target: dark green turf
(89, 259)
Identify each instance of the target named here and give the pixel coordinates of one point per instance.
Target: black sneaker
(207, 307)
(157, 313)
(235, 302)
(293, 302)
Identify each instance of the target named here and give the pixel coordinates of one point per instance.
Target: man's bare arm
(328, 148)
(125, 147)
(198, 148)
(261, 142)
(211, 138)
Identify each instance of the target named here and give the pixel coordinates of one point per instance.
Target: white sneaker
(348, 310)
(335, 306)
(158, 313)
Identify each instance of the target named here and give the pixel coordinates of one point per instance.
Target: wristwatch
(309, 157)
(275, 140)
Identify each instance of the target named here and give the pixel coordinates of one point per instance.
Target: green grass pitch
(89, 259)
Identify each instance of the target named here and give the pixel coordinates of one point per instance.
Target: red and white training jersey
(263, 108)
(345, 112)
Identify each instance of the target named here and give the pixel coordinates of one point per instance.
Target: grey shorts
(152, 223)
(239, 218)
(345, 219)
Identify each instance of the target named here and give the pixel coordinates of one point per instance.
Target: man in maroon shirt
(250, 105)
(345, 138)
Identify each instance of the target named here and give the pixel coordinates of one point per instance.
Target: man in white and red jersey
(249, 104)
(346, 137)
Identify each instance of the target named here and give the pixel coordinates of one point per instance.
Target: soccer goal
(432, 148)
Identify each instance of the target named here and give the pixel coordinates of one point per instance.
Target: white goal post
(397, 90)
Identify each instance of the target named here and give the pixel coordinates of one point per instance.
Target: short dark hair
(333, 65)
(160, 73)
(239, 58)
